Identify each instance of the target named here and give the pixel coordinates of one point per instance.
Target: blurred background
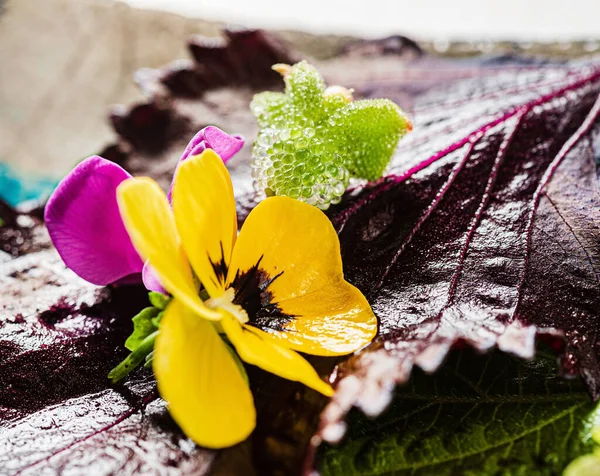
(65, 63)
(528, 20)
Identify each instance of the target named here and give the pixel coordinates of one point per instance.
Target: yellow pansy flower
(275, 289)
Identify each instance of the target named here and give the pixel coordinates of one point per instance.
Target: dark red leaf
(488, 233)
(58, 339)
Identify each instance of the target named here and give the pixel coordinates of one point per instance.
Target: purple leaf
(490, 240)
(58, 411)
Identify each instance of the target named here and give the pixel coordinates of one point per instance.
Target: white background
(548, 20)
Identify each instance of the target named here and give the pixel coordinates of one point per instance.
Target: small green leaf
(159, 300)
(304, 86)
(334, 103)
(143, 326)
(312, 139)
(134, 359)
(372, 129)
(156, 320)
(478, 415)
(268, 106)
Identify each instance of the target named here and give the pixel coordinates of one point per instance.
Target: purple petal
(198, 149)
(222, 143)
(150, 279)
(212, 137)
(84, 223)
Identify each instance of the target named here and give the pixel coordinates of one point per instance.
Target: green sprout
(314, 138)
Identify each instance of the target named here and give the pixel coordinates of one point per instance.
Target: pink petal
(222, 143)
(150, 279)
(212, 137)
(84, 223)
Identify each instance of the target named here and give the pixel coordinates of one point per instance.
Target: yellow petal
(197, 376)
(149, 221)
(335, 320)
(205, 214)
(292, 237)
(295, 244)
(257, 349)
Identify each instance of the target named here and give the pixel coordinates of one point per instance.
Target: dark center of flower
(253, 294)
(220, 267)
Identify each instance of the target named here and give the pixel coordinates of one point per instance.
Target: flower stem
(134, 359)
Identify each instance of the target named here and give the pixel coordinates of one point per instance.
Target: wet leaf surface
(59, 337)
(486, 415)
(490, 240)
(486, 233)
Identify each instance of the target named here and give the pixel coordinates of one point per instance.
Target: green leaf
(134, 359)
(268, 106)
(479, 415)
(156, 320)
(312, 138)
(142, 327)
(159, 300)
(587, 465)
(305, 87)
(372, 129)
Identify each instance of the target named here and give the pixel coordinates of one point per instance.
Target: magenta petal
(197, 150)
(151, 280)
(222, 143)
(84, 223)
(211, 137)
